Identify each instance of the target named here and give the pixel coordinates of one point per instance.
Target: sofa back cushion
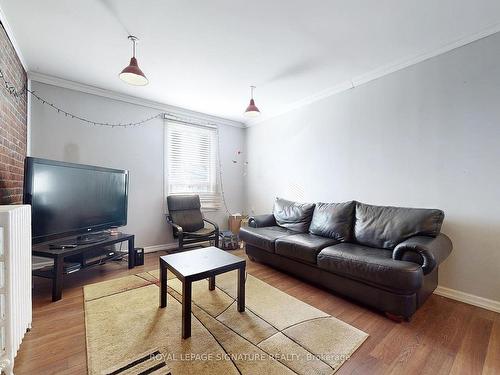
(334, 220)
(292, 215)
(385, 227)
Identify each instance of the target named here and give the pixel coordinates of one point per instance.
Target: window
(191, 162)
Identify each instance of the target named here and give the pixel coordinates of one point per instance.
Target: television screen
(68, 199)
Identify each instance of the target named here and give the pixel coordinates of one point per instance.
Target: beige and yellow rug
(277, 334)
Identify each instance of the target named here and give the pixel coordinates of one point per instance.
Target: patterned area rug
(277, 334)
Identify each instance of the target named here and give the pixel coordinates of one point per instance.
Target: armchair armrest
(177, 228)
(260, 221)
(214, 224)
(428, 251)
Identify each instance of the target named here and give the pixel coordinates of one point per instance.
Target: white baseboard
(471, 299)
(165, 246)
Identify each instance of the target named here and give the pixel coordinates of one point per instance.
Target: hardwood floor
(443, 337)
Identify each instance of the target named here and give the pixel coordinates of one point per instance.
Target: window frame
(209, 201)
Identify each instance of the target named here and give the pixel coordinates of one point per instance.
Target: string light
(20, 93)
(10, 88)
(93, 122)
(163, 115)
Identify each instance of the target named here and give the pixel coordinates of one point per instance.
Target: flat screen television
(73, 199)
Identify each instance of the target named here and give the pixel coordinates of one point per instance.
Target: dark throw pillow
(334, 220)
(386, 226)
(292, 215)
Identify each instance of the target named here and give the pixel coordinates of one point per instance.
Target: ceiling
(203, 55)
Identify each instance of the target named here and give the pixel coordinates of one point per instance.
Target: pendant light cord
(134, 40)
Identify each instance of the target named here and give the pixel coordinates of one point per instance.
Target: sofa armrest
(428, 251)
(260, 221)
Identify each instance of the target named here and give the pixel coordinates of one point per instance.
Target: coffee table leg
(211, 283)
(163, 283)
(186, 309)
(241, 289)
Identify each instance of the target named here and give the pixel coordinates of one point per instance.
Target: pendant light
(132, 74)
(252, 110)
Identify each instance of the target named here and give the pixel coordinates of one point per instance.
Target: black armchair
(184, 214)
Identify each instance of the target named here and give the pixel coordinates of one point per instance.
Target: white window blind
(191, 162)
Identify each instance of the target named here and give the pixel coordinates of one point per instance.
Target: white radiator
(15, 281)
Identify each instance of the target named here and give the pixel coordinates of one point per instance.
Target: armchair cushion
(292, 215)
(203, 232)
(185, 211)
(426, 251)
(334, 220)
(385, 227)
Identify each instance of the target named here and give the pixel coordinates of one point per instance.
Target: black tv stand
(57, 273)
(92, 238)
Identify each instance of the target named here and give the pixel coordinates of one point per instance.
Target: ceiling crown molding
(378, 73)
(77, 86)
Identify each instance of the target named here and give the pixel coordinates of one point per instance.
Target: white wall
(138, 149)
(426, 136)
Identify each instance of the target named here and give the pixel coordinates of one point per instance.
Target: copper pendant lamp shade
(252, 110)
(132, 74)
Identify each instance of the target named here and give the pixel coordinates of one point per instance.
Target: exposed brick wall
(13, 125)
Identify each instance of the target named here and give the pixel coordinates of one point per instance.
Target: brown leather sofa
(384, 257)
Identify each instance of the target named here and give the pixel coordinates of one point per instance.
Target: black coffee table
(196, 265)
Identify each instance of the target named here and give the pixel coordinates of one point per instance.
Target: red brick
(13, 128)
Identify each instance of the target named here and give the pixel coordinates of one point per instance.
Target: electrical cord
(221, 182)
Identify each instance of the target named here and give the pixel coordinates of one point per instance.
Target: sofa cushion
(373, 266)
(385, 227)
(293, 215)
(264, 237)
(334, 220)
(302, 246)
